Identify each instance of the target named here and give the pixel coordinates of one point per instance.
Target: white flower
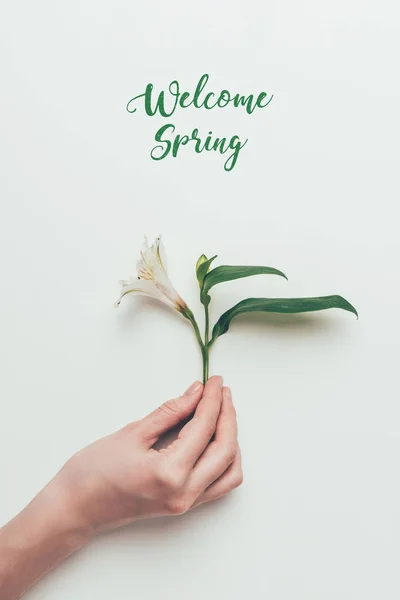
(152, 278)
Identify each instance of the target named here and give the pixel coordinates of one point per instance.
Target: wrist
(48, 530)
(59, 507)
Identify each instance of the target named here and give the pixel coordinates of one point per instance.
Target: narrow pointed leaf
(231, 272)
(279, 305)
(202, 267)
(201, 260)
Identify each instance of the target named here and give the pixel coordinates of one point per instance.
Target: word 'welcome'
(166, 104)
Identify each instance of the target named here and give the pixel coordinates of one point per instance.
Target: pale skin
(121, 478)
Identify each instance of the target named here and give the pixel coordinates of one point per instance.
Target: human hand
(121, 478)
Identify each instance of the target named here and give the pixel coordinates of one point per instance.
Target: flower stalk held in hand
(152, 280)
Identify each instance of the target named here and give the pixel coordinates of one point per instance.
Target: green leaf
(202, 259)
(231, 272)
(202, 267)
(279, 305)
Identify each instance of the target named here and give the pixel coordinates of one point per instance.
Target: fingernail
(193, 388)
(228, 392)
(218, 379)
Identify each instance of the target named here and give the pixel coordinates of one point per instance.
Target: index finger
(196, 435)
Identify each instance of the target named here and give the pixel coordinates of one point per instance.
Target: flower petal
(152, 277)
(142, 287)
(162, 256)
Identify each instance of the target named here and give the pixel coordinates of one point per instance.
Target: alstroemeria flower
(152, 278)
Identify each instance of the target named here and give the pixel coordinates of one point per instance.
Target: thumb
(169, 414)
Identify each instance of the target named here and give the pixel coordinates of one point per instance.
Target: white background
(315, 193)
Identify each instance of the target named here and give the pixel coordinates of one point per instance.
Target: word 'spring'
(222, 145)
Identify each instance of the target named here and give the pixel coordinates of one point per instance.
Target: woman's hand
(121, 478)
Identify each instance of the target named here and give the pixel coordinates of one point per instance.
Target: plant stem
(189, 315)
(205, 363)
(207, 325)
(204, 350)
(206, 338)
